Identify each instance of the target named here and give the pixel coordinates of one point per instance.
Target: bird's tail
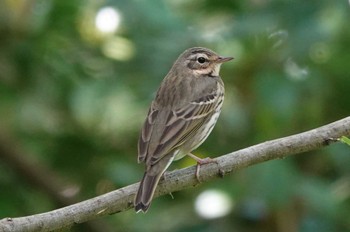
(146, 190)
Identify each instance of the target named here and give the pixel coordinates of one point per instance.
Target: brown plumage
(181, 116)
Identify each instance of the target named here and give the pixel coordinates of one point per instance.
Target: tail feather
(150, 181)
(146, 191)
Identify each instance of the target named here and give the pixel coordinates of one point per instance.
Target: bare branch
(121, 199)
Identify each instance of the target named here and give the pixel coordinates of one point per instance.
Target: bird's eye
(201, 60)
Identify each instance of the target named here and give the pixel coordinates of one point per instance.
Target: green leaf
(345, 140)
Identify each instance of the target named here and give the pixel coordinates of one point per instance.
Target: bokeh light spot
(107, 20)
(294, 71)
(118, 48)
(212, 204)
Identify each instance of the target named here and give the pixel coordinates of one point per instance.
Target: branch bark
(122, 199)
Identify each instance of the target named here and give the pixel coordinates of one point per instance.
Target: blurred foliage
(75, 99)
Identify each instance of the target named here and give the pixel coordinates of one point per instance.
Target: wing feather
(146, 134)
(180, 124)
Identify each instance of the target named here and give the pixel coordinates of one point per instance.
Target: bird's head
(201, 61)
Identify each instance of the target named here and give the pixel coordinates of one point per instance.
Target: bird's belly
(198, 138)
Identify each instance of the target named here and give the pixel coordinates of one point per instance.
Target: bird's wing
(180, 124)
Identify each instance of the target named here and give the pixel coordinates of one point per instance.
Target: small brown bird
(181, 117)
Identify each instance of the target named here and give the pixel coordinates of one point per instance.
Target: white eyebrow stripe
(195, 56)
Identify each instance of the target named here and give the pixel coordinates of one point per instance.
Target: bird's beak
(223, 59)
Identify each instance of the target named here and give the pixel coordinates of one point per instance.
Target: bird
(180, 118)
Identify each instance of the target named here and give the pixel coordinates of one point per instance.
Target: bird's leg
(200, 162)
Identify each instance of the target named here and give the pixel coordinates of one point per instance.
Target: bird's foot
(200, 162)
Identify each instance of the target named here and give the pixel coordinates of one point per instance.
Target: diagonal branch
(121, 199)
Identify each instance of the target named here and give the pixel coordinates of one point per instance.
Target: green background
(73, 99)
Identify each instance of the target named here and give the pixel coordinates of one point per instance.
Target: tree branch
(122, 199)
